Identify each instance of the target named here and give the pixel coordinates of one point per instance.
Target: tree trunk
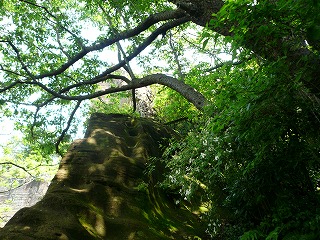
(99, 191)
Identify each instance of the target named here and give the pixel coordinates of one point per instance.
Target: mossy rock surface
(96, 195)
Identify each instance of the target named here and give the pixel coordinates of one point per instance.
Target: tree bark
(99, 191)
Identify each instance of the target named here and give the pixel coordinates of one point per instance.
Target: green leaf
(205, 42)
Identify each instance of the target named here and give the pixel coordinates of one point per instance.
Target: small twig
(34, 120)
(11, 189)
(24, 66)
(104, 78)
(9, 71)
(12, 85)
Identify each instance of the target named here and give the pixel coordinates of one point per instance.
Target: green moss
(100, 194)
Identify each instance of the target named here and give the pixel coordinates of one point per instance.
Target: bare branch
(18, 166)
(67, 127)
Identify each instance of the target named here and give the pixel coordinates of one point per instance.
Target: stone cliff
(101, 192)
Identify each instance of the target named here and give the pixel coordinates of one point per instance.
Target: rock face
(26, 195)
(98, 193)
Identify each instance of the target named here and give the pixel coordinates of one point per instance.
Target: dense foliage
(254, 158)
(250, 157)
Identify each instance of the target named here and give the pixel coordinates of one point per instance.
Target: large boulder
(101, 190)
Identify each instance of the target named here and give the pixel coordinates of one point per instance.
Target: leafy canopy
(254, 157)
(251, 156)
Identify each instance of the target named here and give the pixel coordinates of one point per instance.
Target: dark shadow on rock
(97, 193)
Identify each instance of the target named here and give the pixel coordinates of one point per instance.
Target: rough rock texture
(25, 195)
(96, 195)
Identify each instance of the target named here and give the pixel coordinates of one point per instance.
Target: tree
(254, 136)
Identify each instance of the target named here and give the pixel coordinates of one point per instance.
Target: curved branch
(150, 21)
(8, 71)
(162, 29)
(196, 98)
(24, 66)
(18, 166)
(110, 76)
(193, 96)
(12, 85)
(122, 63)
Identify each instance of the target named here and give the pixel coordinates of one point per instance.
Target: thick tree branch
(150, 21)
(196, 98)
(201, 10)
(112, 69)
(193, 96)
